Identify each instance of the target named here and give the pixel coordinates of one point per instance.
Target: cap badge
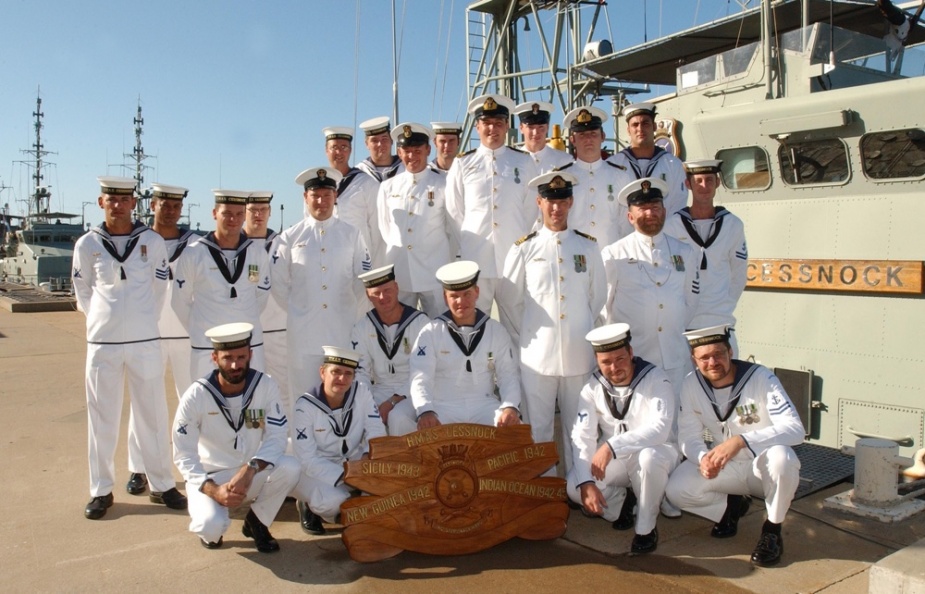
(489, 105)
(321, 173)
(406, 131)
(584, 116)
(557, 183)
(646, 186)
(535, 108)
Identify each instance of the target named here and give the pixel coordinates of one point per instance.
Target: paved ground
(47, 545)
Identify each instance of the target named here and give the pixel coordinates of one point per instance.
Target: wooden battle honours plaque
(866, 276)
(451, 490)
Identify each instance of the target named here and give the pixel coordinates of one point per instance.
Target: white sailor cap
(165, 192)
(319, 177)
(634, 109)
(261, 197)
(609, 338)
(586, 118)
(339, 356)
(230, 336)
(710, 335)
(447, 128)
(117, 186)
(534, 112)
(702, 166)
(490, 106)
(553, 185)
(230, 196)
(640, 191)
(411, 134)
(337, 133)
(378, 276)
(458, 276)
(375, 126)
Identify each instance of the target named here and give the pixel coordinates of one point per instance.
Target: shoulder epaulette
(564, 167)
(586, 236)
(521, 151)
(525, 238)
(469, 152)
(612, 164)
(435, 169)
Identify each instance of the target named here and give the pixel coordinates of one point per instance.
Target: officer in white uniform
(487, 195)
(462, 365)
(719, 237)
(315, 270)
(550, 297)
(621, 435)
(413, 220)
(754, 428)
(383, 338)
(381, 164)
(446, 142)
(334, 422)
(229, 439)
(222, 278)
(120, 277)
(596, 210)
(273, 317)
(534, 127)
(643, 158)
(652, 282)
(356, 191)
(167, 207)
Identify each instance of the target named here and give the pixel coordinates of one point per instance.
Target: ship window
(893, 154)
(745, 168)
(814, 162)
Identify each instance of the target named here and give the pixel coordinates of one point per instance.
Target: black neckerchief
(475, 337)
(134, 235)
(231, 277)
(408, 315)
(316, 397)
(178, 249)
(347, 180)
(271, 235)
(251, 380)
(744, 372)
(688, 223)
(641, 368)
(637, 168)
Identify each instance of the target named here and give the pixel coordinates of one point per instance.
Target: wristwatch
(254, 464)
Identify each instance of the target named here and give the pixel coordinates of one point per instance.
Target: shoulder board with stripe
(521, 151)
(612, 164)
(585, 235)
(525, 238)
(564, 167)
(469, 152)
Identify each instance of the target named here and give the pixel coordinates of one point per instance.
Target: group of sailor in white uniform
(616, 304)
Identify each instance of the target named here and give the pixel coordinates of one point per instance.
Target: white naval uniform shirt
(549, 158)
(551, 296)
(756, 395)
(415, 227)
(325, 438)
(491, 207)
(442, 371)
(380, 174)
(385, 352)
(273, 317)
(213, 433)
(595, 209)
(647, 415)
(652, 285)
(662, 165)
(723, 262)
(204, 298)
(356, 205)
(122, 300)
(169, 324)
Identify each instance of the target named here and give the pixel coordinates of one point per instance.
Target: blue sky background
(235, 94)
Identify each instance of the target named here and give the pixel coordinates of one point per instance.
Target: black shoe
(645, 543)
(171, 498)
(137, 483)
(211, 545)
(254, 528)
(728, 526)
(97, 507)
(768, 550)
(627, 517)
(310, 522)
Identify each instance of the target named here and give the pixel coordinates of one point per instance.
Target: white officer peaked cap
(634, 109)
(230, 196)
(710, 335)
(337, 133)
(447, 127)
(375, 126)
(378, 276)
(534, 112)
(491, 106)
(339, 356)
(117, 186)
(555, 184)
(609, 338)
(585, 118)
(458, 276)
(640, 191)
(230, 336)
(702, 166)
(324, 176)
(411, 134)
(166, 192)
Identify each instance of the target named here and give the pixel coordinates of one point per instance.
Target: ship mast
(138, 156)
(40, 202)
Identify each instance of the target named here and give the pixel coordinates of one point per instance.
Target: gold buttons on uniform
(661, 306)
(324, 306)
(324, 287)
(561, 297)
(592, 207)
(322, 250)
(560, 260)
(658, 284)
(561, 316)
(659, 328)
(561, 278)
(409, 246)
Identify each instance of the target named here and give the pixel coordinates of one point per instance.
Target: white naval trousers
(209, 520)
(108, 368)
(402, 418)
(647, 471)
(322, 498)
(276, 354)
(540, 393)
(774, 475)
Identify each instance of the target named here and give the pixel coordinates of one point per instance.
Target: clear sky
(235, 93)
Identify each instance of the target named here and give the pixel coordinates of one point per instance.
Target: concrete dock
(48, 546)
